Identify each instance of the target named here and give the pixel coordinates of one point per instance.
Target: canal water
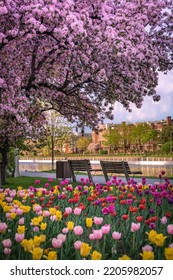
(149, 170)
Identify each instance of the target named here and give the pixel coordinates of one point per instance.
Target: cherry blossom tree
(78, 57)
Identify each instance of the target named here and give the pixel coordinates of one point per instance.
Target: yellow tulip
(37, 240)
(13, 215)
(28, 245)
(37, 253)
(7, 208)
(70, 225)
(52, 211)
(43, 238)
(85, 250)
(89, 222)
(37, 220)
(159, 240)
(43, 226)
(21, 229)
(96, 255)
(147, 255)
(58, 215)
(124, 257)
(52, 255)
(169, 253)
(151, 236)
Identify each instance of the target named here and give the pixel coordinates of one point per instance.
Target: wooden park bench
(117, 167)
(81, 166)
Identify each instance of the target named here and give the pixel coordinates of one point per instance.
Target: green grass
(26, 182)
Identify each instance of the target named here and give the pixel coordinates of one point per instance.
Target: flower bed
(111, 221)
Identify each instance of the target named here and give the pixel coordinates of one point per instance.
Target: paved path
(96, 179)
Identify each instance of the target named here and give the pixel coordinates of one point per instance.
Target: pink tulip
(9, 199)
(19, 211)
(65, 230)
(163, 220)
(170, 229)
(135, 226)
(21, 221)
(19, 237)
(77, 245)
(147, 248)
(56, 243)
(46, 213)
(98, 234)
(53, 218)
(106, 229)
(68, 210)
(77, 211)
(37, 208)
(7, 215)
(98, 220)
(171, 245)
(36, 229)
(7, 251)
(91, 236)
(62, 237)
(78, 230)
(116, 235)
(3, 227)
(7, 243)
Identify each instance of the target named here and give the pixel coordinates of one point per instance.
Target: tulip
(124, 257)
(37, 253)
(65, 230)
(56, 243)
(98, 234)
(170, 229)
(98, 220)
(147, 255)
(85, 250)
(62, 237)
(147, 248)
(19, 237)
(116, 235)
(52, 255)
(105, 229)
(163, 220)
(78, 230)
(3, 227)
(135, 227)
(89, 222)
(151, 236)
(21, 221)
(7, 251)
(77, 211)
(96, 255)
(159, 240)
(68, 210)
(70, 225)
(77, 245)
(7, 243)
(169, 253)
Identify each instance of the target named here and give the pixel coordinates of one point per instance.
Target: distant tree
(112, 138)
(167, 147)
(82, 143)
(141, 134)
(167, 134)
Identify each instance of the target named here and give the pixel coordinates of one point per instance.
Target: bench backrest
(112, 166)
(80, 165)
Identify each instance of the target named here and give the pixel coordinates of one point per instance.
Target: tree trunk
(4, 152)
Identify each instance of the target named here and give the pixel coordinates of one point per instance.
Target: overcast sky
(150, 110)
